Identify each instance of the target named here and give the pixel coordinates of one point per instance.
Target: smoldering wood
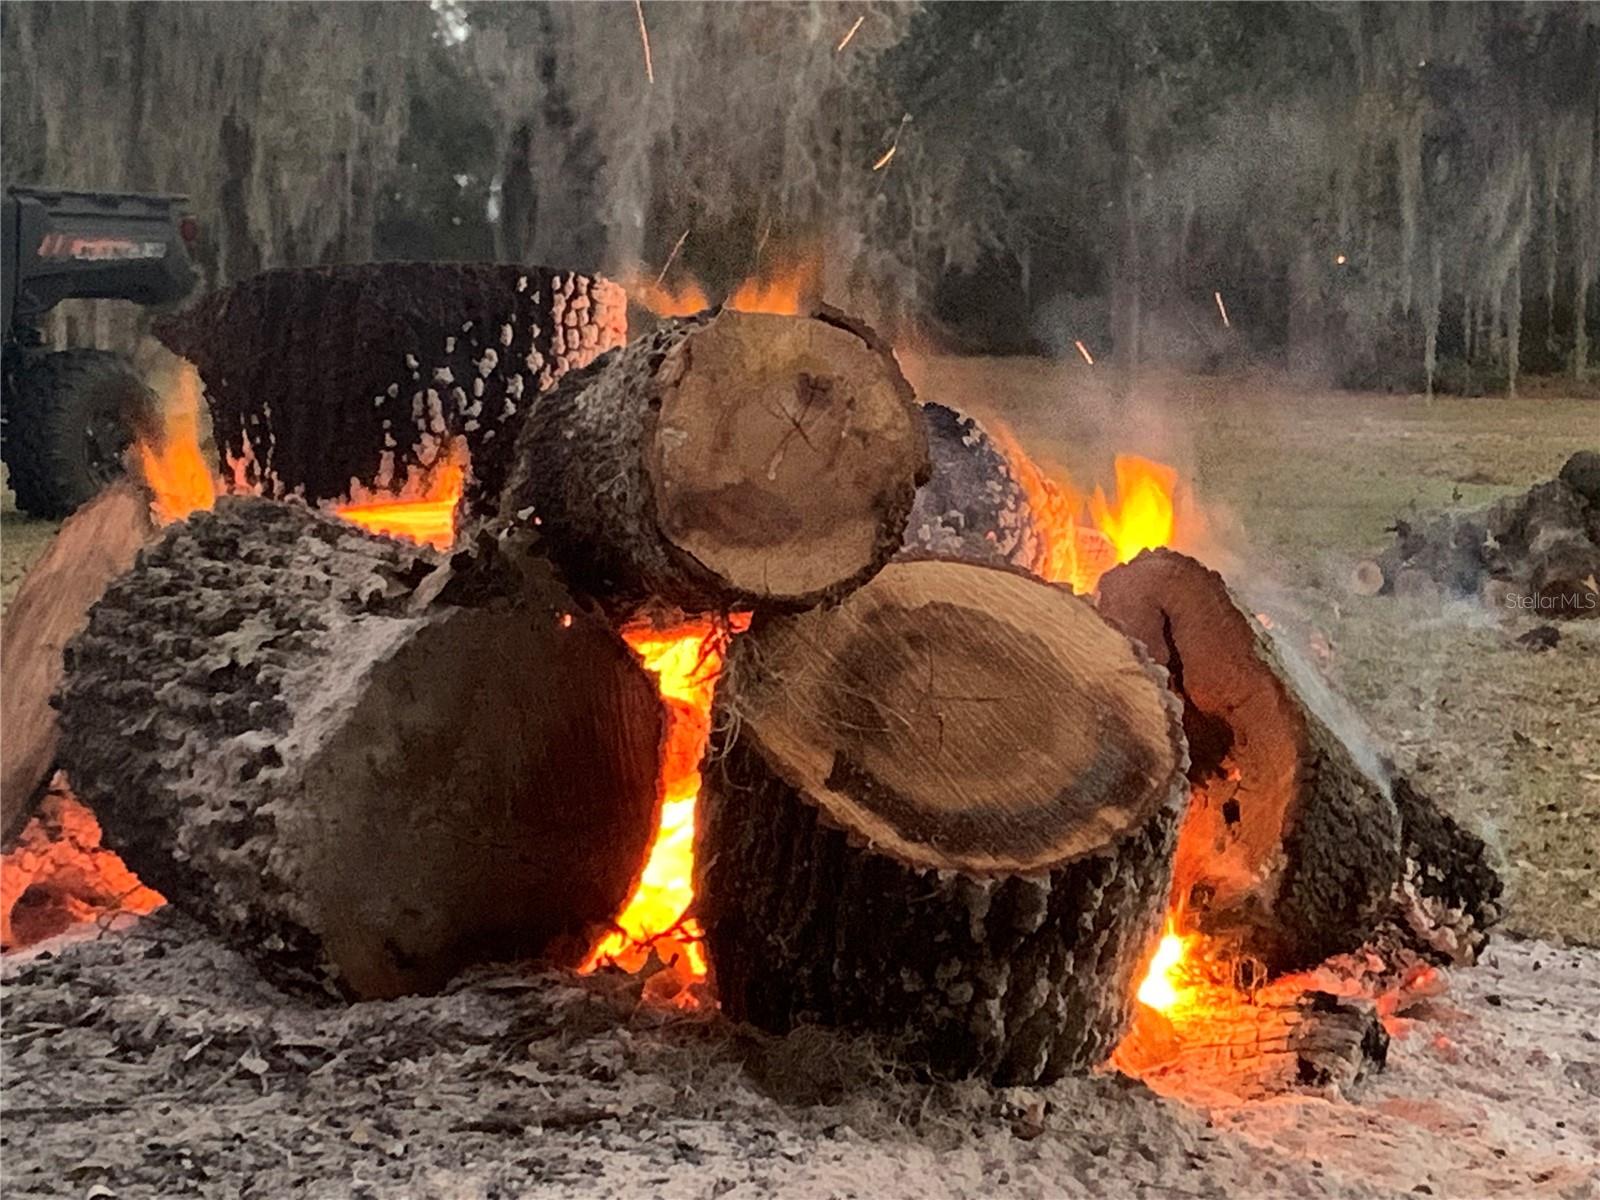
(318, 377)
(943, 812)
(1539, 548)
(1449, 893)
(1230, 1045)
(1292, 842)
(726, 460)
(365, 767)
(94, 545)
(972, 506)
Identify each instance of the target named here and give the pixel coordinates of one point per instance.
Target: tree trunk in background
(1513, 329)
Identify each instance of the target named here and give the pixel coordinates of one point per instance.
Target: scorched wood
(359, 765)
(318, 377)
(943, 811)
(727, 460)
(95, 545)
(1292, 843)
(972, 506)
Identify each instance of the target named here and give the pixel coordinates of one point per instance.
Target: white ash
(411, 362)
(490, 360)
(443, 375)
(522, 283)
(477, 386)
(450, 344)
(393, 391)
(505, 334)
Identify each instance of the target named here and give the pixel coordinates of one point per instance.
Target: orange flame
(424, 512)
(1165, 983)
(173, 467)
(686, 662)
(784, 289)
(666, 300)
(1084, 537)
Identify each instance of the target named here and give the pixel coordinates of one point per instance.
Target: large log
(94, 545)
(1292, 842)
(320, 376)
(943, 811)
(362, 766)
(973, 507)
(725, 460)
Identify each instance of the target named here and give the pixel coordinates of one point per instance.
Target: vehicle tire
(67, 427)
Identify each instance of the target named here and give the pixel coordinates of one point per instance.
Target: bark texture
(323, 376)
(95, 545)
(972, 506)
(364, 767)
(1292, 842)
(1449, 894)
(725, 460)
(944, 812)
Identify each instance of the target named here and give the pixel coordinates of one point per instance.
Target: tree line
(1402, 195)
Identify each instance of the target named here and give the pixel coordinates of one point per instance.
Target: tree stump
(363, 767)
(320, 376)
(972, 506)
(728, 460)
(944, 812)
(94, 545)
(1292, 842)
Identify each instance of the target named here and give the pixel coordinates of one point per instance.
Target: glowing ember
(1222, 310)
(425, 513)
(686, 662)
(1164, 981)
(173, 467)
(783, 291)
(1083, 352)
(845, 40)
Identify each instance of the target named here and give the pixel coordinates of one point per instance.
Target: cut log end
(1291, 845)
(943, 811)
(285, 737)
(726, 460)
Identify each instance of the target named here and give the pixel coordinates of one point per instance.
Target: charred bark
(1292, 843)
(725, 460)
(317, 377)
(95, 545)
(943, 812)
(972, 506)
(363, 767)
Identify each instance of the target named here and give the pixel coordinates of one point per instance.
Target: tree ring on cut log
(1292, 842)
(944, 811)
(766, 406)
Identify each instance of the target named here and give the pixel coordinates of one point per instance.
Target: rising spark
(845, 40)
(894, 145)
(1084, 350)
(667, 266)
(644, 37)
(1223, 309)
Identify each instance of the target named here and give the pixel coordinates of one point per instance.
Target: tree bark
(972, 506)
(364, 768)
(324, 376)
(726, 460)
(95, 545)
(1292, 842)
(1449, 893)
(943, 812)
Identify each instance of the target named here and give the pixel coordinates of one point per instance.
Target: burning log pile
(1538, 552)
(947, 800)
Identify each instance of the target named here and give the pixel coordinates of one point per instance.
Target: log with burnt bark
(320, 376)
(973, 507)
(1292, 842)
(1448, 896)
(94, 545)
(364, 766)
(1537, 550)
(944, 812)
(727, 460)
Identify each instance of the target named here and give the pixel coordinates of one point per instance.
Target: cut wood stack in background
(945, 800)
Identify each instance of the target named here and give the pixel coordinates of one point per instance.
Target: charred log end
(784, 459)
(1291, 846)
(942, 812)
(972, 507)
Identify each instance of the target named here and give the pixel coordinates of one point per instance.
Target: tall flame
(1164, 983)
(1083, 537)
(686, 662)
(170, 459)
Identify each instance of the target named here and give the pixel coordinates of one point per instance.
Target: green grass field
(1293, 486)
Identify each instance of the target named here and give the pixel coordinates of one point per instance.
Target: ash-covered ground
(156, 1063)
